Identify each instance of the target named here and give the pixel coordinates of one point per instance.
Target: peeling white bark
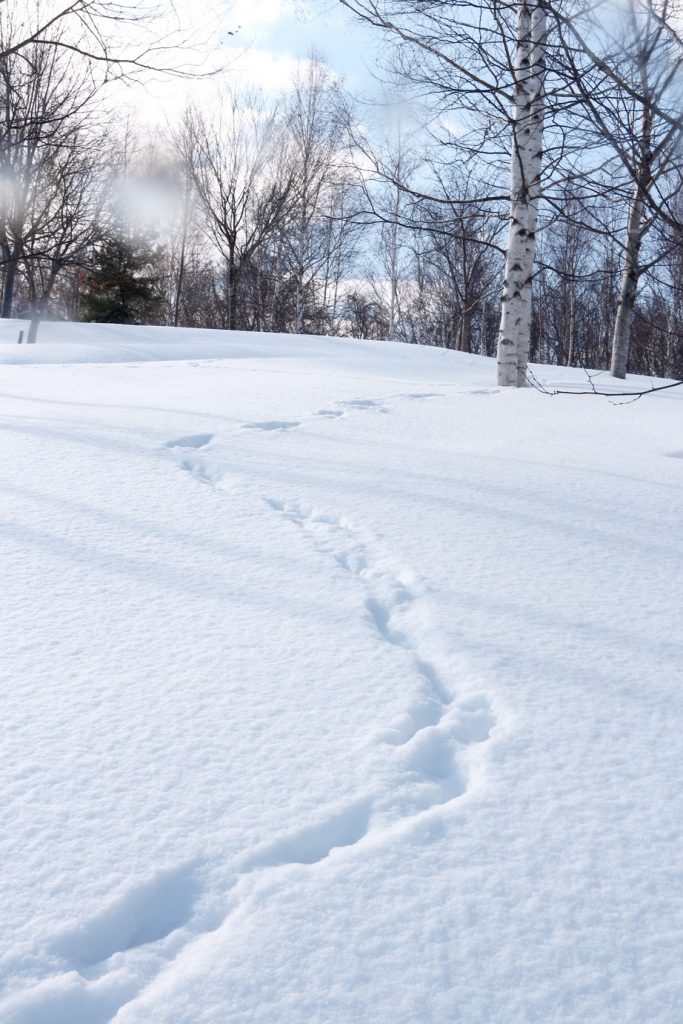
(525, 189)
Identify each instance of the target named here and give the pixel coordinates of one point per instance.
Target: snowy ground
(339, 687)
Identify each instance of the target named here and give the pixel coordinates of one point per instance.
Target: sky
(258, 44)
(284, 31)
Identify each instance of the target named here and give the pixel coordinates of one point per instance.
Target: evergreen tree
(121, 288)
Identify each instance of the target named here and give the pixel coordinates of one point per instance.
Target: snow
(338, 686)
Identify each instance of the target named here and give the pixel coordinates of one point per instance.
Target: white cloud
(255, 43)
(250, 67)
(270, 71)
(253, 14)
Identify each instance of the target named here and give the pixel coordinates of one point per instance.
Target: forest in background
(313, 213)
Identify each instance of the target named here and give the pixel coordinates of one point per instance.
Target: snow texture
(338, 687)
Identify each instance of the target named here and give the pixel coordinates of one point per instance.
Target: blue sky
(351, 49)
(268, 38)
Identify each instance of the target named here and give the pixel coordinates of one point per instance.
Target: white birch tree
(525, 192)
(485, 65)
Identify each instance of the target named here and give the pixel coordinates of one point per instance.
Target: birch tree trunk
(627, 292)
(525, 186)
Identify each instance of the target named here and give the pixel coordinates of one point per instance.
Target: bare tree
(118, 37)
(486, 62)
(314, 137)
(389, 200)
(625, 74)
(243, 179)
(65, 224)
(464, 250)
(56, 59)
(49, 137)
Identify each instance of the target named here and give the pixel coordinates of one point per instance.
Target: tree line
(526, 150)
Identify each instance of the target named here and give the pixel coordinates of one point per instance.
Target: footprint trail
(426, 758)
(272, 425)
(435, 726)
(191, 441)
(106, 962)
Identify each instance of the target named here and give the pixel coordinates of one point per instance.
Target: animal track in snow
(197, 465)
(378, 404)
(108, 961)
(436, 725)
(312, 844)
(432, 759)
(201, 470)
(145, 914)
(364, 403)
(272, 425)
(191, 441)
(424, 394)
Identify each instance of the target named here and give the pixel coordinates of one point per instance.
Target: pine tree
(121, 289)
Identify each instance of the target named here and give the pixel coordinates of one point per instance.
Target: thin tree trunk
(484, 348)
(179, 284)
(393, 268)
(672, 321)
(40, 303)
(464, 332)
(525, 181)
(8, 291)
(37, 307)
(300, 272)
(32, 336)
(299, 304)
(571, 326)
(232, 296)
(276, 287)
(665, 362)
(627, 293)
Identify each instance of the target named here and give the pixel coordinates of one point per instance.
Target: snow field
(341, 687)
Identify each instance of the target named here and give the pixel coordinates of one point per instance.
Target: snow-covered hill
(339, 687)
